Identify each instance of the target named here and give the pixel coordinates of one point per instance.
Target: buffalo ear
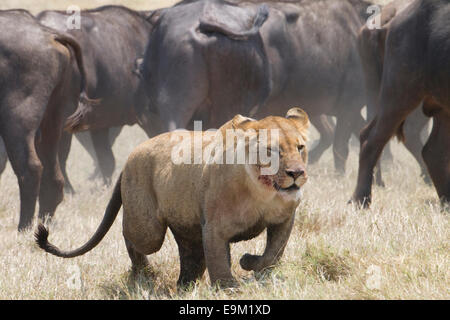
(298, 116)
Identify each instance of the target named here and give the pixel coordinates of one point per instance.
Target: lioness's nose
(295, 173)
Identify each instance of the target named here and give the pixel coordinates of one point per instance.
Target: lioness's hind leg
(192, 260)
(140, 223)
(138, 260)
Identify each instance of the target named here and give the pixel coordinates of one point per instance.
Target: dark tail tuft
(41, 236)
(111, 212)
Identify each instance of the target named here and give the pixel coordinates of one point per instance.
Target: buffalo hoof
(380, 183)
(68, 189)
(360, 202)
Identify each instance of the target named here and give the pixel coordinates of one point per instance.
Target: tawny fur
(207, 206)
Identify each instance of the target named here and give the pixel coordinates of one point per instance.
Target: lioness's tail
(111, 212)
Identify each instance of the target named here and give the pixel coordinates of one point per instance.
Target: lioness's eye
(300, 148)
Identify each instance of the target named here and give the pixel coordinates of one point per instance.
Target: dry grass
(399, 249)
(330, 255)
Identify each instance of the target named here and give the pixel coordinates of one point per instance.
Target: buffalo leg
(395, 108)
(28, 169)
(436, 154)
(371, 113)
(64, 150)
(103, 151)
(326, 131)
(113, 134)
(340, 145)
(84, 138)
(413, 127)
(345, 125)
(357, 132)
(387, 153)
(52, 182)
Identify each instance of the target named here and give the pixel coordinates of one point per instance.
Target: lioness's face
(286, 144)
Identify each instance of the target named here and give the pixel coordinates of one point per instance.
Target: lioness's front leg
(217, 255)
(277, 238)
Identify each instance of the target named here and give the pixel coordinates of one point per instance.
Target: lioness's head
(277, 147)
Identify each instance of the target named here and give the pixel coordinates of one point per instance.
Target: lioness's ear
(299, 116)
(239, 120)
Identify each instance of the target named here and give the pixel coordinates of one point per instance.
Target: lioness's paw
(250, 262)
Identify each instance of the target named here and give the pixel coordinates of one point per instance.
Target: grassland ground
(399, 249)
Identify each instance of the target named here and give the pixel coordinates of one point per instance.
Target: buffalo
(112, 38)
(208, 60)
(416, 69)
(42, 79)
(371, 44)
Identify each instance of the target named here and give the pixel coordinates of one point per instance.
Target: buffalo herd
(42, 79)
(211, 59)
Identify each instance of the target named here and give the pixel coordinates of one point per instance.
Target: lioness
(207, 205)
